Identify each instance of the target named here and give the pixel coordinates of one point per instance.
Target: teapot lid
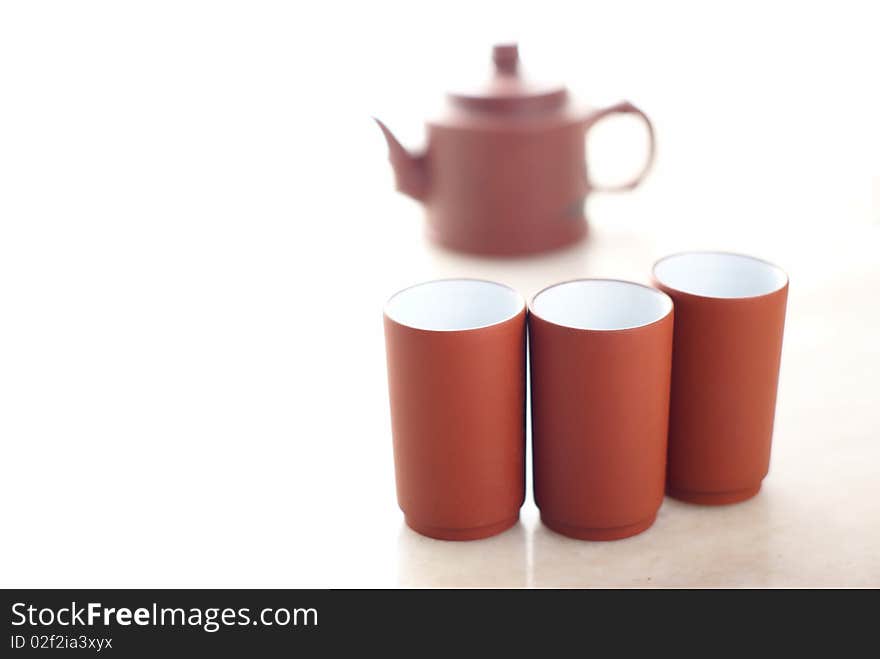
(507, 90)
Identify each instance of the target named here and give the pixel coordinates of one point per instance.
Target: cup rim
(681, 291)
(632, 328)
(520, 308)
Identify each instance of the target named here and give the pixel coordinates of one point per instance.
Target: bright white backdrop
(198, 233)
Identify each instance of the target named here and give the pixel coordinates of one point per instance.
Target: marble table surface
(816, 521)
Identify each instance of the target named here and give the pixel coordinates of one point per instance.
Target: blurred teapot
(504, 171)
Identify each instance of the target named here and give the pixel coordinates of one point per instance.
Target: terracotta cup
(729, 317)
(456, 377)
(600, 354)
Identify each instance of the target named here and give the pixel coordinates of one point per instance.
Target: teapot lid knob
(508, 91)
(506, 58)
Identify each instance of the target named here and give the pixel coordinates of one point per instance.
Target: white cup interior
(717, 274)
(454, 304)
(601, 304)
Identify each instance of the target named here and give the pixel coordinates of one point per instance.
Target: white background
(198, 233)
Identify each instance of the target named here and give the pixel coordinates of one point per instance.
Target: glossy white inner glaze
(715, 274)
(454, 304)
(601, 304)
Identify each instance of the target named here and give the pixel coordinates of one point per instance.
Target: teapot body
(506, 187)
(504, 171)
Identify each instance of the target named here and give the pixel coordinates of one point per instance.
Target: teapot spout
(410, 170)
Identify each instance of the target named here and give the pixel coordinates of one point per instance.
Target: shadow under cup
(600, 355)
(729, 319)
(456, 377)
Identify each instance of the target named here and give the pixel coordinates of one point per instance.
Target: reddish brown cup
(456, 377)
(600, 354)
(729, 318)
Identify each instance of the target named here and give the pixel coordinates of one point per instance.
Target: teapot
(504, 171)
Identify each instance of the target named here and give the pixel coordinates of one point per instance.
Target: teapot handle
(624, 107)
